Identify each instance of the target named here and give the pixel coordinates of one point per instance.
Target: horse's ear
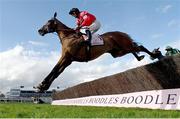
(55, 14)
(158, 48)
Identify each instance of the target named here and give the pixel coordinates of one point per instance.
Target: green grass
(22, 110)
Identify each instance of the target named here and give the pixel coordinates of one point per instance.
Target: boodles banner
(168, 99)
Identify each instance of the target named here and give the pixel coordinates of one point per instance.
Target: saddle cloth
(97, 40)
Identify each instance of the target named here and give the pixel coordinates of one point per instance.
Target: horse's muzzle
(41, 32)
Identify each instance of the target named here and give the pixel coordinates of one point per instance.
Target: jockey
(171, 51)
(87, 21)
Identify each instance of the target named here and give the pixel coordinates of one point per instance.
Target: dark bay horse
(158, 54)
(116, 43)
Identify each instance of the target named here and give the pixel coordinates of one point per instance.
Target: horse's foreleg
(57, 70)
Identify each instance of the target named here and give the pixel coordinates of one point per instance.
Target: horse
(116, 43)
(158, 54)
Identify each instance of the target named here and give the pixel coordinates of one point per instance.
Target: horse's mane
(67, 30)
(64, 27)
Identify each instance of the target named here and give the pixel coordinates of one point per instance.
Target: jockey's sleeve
(84, 20)
(80, 23)
(77, 22)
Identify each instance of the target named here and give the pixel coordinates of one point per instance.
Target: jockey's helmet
(74, 10)
(168, 48)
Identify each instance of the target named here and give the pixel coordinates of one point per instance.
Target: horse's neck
(62, 30)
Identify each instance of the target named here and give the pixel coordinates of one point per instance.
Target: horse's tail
(136, 44)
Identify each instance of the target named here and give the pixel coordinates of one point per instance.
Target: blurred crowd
(170, 51)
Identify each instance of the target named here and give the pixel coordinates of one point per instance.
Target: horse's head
(49, 27)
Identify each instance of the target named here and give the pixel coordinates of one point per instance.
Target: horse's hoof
(35, 87)
(39, 88)
(141, 57)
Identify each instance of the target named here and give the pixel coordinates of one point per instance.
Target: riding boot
(88, 43)
(89, 36)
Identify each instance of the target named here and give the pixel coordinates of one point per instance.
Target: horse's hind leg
(139, 58)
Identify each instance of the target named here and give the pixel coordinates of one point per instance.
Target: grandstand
(1, 94)
(18, 95)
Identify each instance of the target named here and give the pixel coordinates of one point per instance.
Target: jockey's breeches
(94, 27)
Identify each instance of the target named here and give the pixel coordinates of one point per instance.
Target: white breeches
(94, 27)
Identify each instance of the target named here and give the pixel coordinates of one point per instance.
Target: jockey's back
(85, 19)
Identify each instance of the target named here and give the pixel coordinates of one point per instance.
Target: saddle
(95, 40)
(89, 41)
